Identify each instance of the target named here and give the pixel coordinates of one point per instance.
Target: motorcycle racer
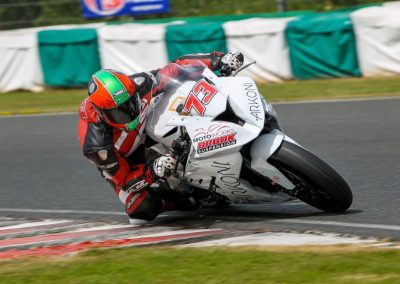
(111, 133)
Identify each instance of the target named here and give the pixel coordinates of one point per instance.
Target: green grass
(48, 101)
(332, 89)
(169, 265)
(69, 100)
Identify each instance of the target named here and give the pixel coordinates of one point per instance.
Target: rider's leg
(147, 204)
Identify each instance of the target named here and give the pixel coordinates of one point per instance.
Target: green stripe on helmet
(114, 86)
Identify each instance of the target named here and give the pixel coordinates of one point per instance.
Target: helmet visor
(125, 113)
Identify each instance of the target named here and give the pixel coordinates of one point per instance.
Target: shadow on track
(243, 214)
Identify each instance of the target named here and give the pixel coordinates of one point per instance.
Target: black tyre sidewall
(315, 172)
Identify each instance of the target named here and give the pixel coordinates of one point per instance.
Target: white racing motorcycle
(231, 149)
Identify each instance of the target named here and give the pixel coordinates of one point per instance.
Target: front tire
(317, 184)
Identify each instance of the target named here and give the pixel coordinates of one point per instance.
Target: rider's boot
(181, 203)
(175, 200)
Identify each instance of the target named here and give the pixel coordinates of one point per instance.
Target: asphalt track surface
(44, 175)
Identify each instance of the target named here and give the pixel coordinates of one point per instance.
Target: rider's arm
(225, 63)
(156, 80)
(212, 60)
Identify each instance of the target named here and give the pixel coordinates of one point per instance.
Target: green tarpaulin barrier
(201, 34)
(68, 57)
(194, 38)
(322, 46)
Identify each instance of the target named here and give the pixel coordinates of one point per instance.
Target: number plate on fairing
(204, 99)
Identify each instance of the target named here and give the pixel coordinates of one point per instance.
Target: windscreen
(174, 75)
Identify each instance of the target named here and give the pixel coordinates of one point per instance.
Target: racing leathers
(120, 156)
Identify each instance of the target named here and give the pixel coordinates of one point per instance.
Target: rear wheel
(317, 184)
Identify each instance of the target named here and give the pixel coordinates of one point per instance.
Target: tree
(16, 14)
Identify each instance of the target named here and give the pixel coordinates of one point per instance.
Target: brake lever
(243, 67)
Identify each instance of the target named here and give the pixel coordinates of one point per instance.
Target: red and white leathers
(120, 156)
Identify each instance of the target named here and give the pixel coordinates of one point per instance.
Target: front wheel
(317, 184)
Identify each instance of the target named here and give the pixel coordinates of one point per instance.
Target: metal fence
(27, 13)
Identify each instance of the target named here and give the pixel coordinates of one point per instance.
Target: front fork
(261, 149)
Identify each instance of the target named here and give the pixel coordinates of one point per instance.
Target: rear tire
(317, 184)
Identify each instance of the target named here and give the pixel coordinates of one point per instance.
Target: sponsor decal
(82, 108)
(155, 100)
(215, 137)
(102, 8)
(199, 97)
(227, 178)
(253, 99)
(216, 143)
(137, 186)
(275, 180)
(213, 131)
(143, 112)
(119, 92)
(132, 200)
(106, 167)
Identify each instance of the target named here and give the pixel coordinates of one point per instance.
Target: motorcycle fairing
(261, 149)
(215, 160)
(222, 173)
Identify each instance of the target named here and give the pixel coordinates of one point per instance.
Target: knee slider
(144, 205)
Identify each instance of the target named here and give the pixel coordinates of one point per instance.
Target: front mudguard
(261, 149)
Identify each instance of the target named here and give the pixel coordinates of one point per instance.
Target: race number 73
(200, 96)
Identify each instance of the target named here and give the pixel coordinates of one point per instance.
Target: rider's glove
(164, 165)
(231, 62)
